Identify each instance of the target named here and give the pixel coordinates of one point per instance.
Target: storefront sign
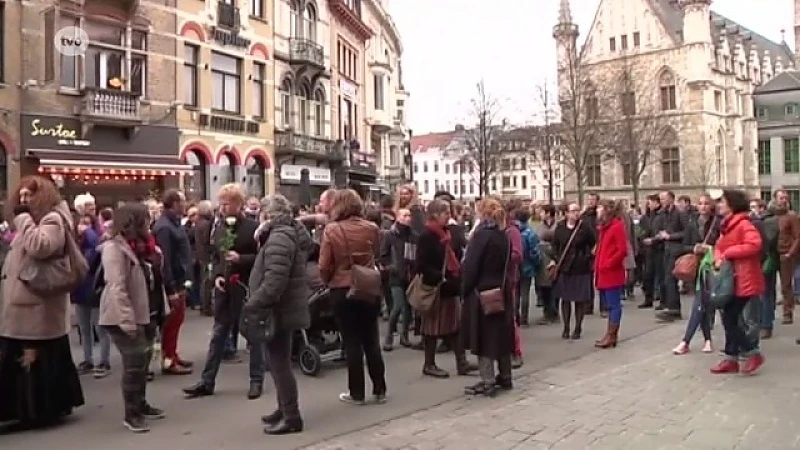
(226, 37)
(317, 176)
(61, 134)
(347, 88)
(41, 132)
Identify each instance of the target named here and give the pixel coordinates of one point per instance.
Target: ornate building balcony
(305, 51)
(295, 144)
(110, 107)
(228, 16)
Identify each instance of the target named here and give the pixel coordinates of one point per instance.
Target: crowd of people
(463, 279)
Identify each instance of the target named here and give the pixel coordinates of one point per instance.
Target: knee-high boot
(566, 316)
(580, 309)
(430, 368)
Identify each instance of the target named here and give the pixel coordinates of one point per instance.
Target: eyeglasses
(574, 210)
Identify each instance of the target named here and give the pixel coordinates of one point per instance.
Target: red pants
(172, 329)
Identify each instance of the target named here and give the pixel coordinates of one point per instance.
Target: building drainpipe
(409, 163)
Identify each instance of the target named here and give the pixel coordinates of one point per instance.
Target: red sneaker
(752, 364)
(726, 366)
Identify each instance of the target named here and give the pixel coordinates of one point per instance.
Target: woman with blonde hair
(408, 198)
(348, 240)
(489, 334)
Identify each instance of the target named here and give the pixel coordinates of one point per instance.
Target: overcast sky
(449, 45)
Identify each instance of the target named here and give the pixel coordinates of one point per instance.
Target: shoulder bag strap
(505, 266)
(568, 246)
(710, 229)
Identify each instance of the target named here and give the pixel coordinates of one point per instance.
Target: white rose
(230, 221)
(187, 284)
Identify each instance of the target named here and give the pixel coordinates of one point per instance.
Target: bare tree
(545, 138)
(482, 150)
(633, 124)
(579, 110)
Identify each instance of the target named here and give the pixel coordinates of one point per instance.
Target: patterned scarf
(452, 263)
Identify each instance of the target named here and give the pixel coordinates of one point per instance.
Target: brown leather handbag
(366, 282)
(493, 300)
(685, 268)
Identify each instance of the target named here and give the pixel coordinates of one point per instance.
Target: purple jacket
(513, 273)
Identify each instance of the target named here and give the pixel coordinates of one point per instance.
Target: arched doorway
(194, 183)
(227, 168)
(256, 176)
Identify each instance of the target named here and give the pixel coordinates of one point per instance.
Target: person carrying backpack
(530, 265)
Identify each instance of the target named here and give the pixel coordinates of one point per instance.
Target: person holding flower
(234, 250)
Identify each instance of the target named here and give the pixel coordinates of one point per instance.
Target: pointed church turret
(566, 35)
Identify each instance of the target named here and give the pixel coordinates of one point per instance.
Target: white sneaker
(708, 348)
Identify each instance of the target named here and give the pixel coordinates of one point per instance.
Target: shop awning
(81, 164)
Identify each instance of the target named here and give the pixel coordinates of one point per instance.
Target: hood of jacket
(303, 239)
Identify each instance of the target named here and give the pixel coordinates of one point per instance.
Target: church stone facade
(694, 73)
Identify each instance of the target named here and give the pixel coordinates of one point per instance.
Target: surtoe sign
(71, 41)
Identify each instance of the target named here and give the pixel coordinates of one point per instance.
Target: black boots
(256, 389)
(566, 312)
(430, 368)
(566, 317)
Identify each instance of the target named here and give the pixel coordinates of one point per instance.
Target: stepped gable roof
(672, 16)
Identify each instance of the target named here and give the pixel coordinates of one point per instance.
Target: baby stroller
(321, 341)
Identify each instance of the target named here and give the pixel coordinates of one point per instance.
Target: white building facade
(700, 71)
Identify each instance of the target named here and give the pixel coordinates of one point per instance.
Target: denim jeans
(751, 322)
(737, 342)
(216, 350)
(699, 317)
(400, 306)
(88, 318)
(768, 301)
(133, 350)
(524, 298)
(611, 299)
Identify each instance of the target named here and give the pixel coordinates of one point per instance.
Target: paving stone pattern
(638, 396)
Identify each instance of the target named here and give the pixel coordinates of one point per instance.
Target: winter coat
(429, 260)
(279, 278)
(610, 254)
(25, 315)
(84, 294)
(174, 243)
(740, 243)
(578, 258)
(398, 253)
(531, 258)
(125, 301)
(788, 233)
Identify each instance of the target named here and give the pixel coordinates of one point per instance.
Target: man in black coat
(675, 232)
(174, 243)
(233, 253)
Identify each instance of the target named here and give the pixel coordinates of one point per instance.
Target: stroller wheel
(310, 360)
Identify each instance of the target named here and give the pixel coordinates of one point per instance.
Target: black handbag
(258, 326)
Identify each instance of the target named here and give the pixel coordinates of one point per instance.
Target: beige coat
(124, 301)
(24, 314)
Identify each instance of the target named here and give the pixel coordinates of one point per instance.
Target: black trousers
(279, 350)
(358, 325)
(653, 274)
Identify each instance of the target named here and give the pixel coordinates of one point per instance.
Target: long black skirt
(46, 391)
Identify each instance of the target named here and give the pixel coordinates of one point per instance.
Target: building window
(718, 101)
(792, 110)
(116, 58)
(191, 59)
(347, 60)
(310, 23)
(379, 92)
(624, 41)
(637, 40)
(524, 182)
(762, 113)
(259, 75)
(226, 83)
(594, 170)
(446, 169)
(612, 44)
(227, 169)
(347, 118)
(257, 8)
(435, 167)
(628, 103)
(764, 157)
(791, 155)
(425, 167)
(627, 169)
(303, 109)
(194, 183)
(670, 165)
(255, 179)
(319, 112)
(667, 86)
(285, 93)
(719, 156)
(427, 186)
(794, 197)
(506, 181)
(766, 194)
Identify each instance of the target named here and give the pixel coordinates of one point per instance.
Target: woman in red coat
(609, 266)
(740, 244)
